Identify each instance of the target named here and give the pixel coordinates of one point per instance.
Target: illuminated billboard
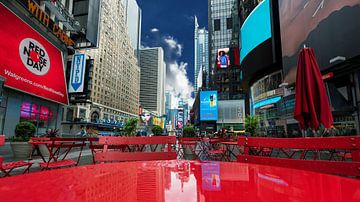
(253, 33)
(208, 106)
(223, 59)
(331, 28)
(28, 62)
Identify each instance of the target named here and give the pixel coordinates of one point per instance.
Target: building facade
(224, 63)
(133, 22)
(115, 82)
(225, 72)
(152, 81)
(201, 57)
(270, 61)
(168, 106)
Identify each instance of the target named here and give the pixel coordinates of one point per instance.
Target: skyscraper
(224, 61)
(152, 80)
(168, 106)
(116, 75)
(133, 23)
(201, 56)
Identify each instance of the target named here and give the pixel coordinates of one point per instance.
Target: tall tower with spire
(201, 55)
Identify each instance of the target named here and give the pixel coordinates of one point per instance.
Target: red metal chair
(188, 143)
(118, 155)
(7, 168)
(314, 146)
(59, 148)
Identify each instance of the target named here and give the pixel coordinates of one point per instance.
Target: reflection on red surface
(211, 176)
(177, 181)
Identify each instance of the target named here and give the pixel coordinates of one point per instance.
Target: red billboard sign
(28, 61)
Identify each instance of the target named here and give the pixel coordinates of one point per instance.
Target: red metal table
(178, 181)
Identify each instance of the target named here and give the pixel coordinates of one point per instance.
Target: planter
(21, 150)
(44, 151)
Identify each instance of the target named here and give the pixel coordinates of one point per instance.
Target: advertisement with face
(223, 59)
(330, 27)
(28, 62)
(208, 106)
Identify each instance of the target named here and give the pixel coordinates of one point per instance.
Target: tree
(130, 126)
(157, 130)
(189, 131)
(252, 124)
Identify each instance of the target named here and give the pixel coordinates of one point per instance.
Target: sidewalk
(6, 152)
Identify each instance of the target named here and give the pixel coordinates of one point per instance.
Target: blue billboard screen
(254, 33)
(208, 106)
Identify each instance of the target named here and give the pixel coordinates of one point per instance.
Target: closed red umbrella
(312, 105)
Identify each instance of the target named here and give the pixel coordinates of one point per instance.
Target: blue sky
(170, 24)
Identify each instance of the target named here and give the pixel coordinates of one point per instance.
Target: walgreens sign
(29, 62)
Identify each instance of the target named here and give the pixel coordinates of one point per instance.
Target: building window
(228, 23)
(41, 116)
(217, 25)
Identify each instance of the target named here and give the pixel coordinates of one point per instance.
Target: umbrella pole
(303, 133)
(315, 133)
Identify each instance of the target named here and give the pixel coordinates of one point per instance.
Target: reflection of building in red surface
(119, 185)
(151, 184)
(230, 176)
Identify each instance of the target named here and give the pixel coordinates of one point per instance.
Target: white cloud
(170, 41)
(179, 49)
(154, 30)
(174, 45)
(178, 83)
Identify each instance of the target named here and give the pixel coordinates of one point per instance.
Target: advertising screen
(28, 62)
(252, 32)
(231, 111)
(223, 59)
(208, 106)
(331, 28)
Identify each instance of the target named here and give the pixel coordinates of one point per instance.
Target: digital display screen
(223, 59)
(330, 28)
(253, 33)
(208, 106)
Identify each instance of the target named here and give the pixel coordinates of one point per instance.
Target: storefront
(31, 67)
(265, 95)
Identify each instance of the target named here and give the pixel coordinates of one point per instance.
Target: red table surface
(178, 181)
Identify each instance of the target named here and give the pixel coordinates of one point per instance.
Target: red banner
(29, 62)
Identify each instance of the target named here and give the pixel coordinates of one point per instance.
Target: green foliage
(157, 130)
(252, 124)
(130, 127)
(189, 131)
(23, 131)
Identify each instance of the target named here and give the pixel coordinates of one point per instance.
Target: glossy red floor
(178, 181)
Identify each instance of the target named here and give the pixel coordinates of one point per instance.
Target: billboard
(208, 106)
(331, 28)
(253, 33)
(77, 77)
(223, 59)
(180, 119)
(28, 62)
(231, 111)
